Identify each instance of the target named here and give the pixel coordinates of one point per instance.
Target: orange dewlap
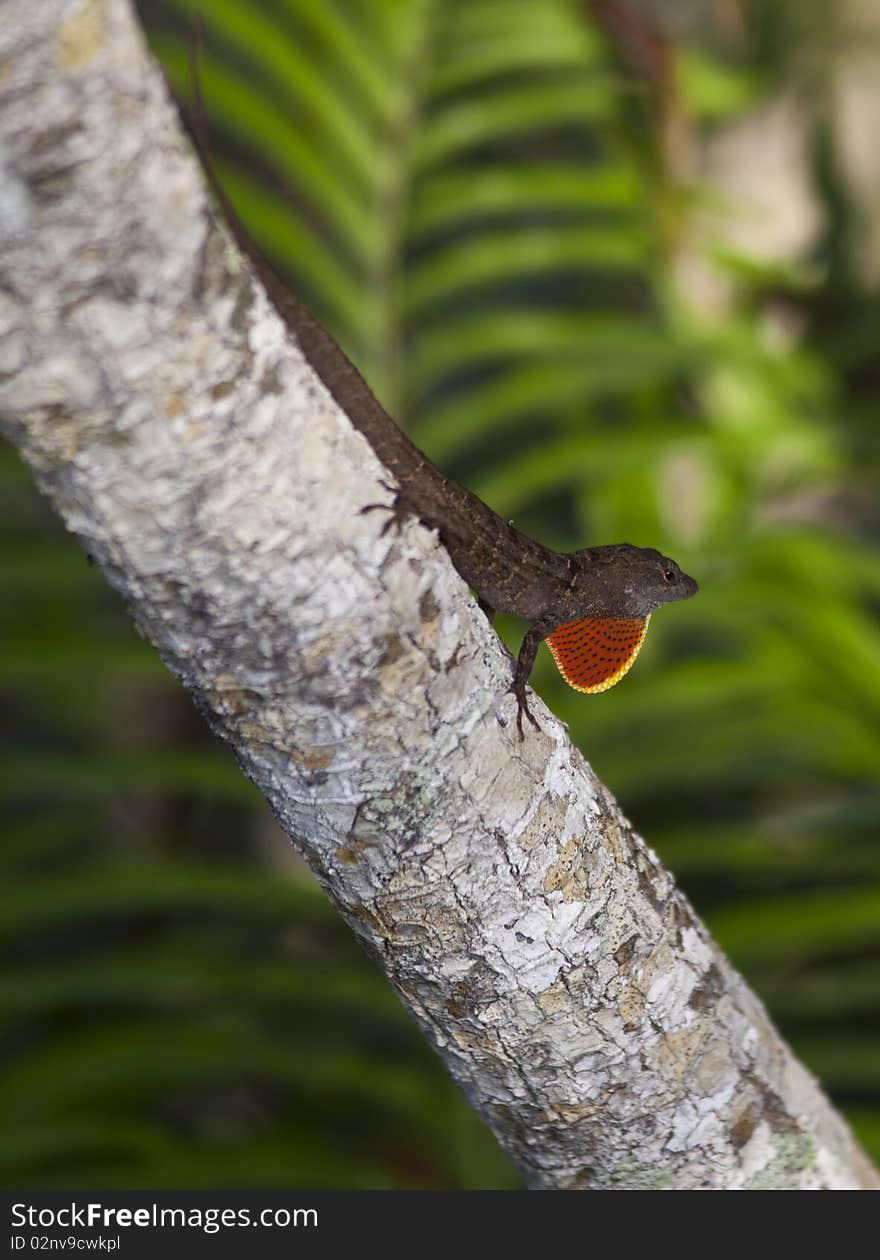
(595, 653)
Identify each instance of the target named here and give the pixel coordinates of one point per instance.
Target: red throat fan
(595, 653)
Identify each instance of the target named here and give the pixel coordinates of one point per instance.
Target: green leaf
(455, 197)
(505, 113)
(515, 254)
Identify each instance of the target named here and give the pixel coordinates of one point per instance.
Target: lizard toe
(522, 709)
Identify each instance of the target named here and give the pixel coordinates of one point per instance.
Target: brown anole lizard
(592, 606)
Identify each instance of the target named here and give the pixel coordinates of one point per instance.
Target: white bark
(179, 433)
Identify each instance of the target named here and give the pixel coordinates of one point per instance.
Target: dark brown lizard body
(509, 571)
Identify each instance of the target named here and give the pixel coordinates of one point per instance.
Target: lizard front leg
(524, 662)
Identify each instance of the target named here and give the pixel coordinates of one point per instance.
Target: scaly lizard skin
(592, 605)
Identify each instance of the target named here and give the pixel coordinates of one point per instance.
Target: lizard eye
(669, 575)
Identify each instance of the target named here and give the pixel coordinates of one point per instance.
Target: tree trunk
(181, 435)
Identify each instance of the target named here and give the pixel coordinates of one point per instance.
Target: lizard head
(612, 594)
(628, 581)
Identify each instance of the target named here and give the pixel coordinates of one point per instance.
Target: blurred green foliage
(469, 194)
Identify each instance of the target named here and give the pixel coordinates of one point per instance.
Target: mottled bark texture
(180, 434)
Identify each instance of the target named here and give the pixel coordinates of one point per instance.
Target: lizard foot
(522, 707)
(397, 509)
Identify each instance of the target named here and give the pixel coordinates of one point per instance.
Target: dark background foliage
(623, 280)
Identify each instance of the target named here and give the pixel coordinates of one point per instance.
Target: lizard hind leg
(397, 509)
